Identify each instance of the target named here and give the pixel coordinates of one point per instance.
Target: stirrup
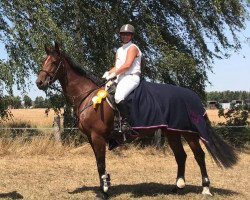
(125, 127)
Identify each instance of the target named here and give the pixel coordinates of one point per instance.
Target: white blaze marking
(47, 60)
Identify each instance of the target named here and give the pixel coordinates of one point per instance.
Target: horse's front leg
(98, 144)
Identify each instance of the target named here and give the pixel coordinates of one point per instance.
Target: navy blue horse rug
(154, 105)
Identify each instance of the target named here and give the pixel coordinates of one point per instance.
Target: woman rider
(127, 70)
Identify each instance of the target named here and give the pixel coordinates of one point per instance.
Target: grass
(213, 116)
(44, 169)
(35, 117)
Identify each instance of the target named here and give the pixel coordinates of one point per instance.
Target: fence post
(57, 128)
(157, 141)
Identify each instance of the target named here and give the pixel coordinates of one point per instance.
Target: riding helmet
(127, 28)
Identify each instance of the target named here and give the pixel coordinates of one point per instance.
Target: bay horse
(79, 87)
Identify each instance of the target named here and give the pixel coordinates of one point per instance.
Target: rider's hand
(105, 75)
(111, 76)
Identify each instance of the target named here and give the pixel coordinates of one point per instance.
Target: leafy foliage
(236, 116)
(235, 128)
(18, 129)
(12, 101)
(4, 111)
(171, 34)
(27, 101)
(40, 102)
(228, 96)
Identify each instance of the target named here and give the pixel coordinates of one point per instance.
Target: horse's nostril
(38, 82)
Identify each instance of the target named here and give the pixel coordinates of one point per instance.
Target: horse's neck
(75, 86)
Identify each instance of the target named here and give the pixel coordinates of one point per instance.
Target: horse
(79, 86)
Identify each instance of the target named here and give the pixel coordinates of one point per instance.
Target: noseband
(52, 75)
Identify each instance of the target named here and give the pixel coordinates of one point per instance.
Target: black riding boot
(124, 112)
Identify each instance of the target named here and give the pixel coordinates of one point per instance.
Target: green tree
(40, 102)
(27, 101)
(235, 128)
(14, 101)
(6, 82)
(56, 101)
(4, 105)
(171, 34)
(228, 96)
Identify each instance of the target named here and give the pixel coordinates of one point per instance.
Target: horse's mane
(83, 72)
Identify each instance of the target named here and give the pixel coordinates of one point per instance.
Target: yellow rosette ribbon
(101, 94)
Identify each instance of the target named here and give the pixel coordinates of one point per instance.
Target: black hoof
(101, 196)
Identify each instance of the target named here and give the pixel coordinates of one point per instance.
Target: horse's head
(50, 68)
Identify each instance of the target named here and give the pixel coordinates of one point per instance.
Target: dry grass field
(38, 118)
(46, 170)
(34, 117)
(42, 169)
(213, 116)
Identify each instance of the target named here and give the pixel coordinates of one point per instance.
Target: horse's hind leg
(193, 142)
(174, 140)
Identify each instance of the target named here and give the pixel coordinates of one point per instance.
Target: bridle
(52, 75)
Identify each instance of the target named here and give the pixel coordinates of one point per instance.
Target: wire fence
(29, 128)
(73, 128)
(236, 135)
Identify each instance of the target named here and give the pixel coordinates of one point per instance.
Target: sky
(231, 74)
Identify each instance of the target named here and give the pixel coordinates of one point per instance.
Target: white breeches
(126, 84)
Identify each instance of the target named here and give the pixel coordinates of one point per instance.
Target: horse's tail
(223, 153)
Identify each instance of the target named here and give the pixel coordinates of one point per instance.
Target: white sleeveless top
(121, 58)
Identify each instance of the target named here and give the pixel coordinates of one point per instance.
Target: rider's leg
(124, 111)
(126, 84)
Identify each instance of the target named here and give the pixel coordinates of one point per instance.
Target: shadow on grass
(153, 189)
(11, 195)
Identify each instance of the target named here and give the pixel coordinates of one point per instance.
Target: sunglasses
(125, 33)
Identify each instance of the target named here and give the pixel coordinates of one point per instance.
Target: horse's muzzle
(42, 85)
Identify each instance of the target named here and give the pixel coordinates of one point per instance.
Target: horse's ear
(57, 49)
(47, 49)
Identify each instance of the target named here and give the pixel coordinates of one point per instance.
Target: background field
(34, 117)
(38, 118)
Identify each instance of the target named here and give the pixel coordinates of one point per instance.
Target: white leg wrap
(206, 191)
(180, 183)
(106, 182)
